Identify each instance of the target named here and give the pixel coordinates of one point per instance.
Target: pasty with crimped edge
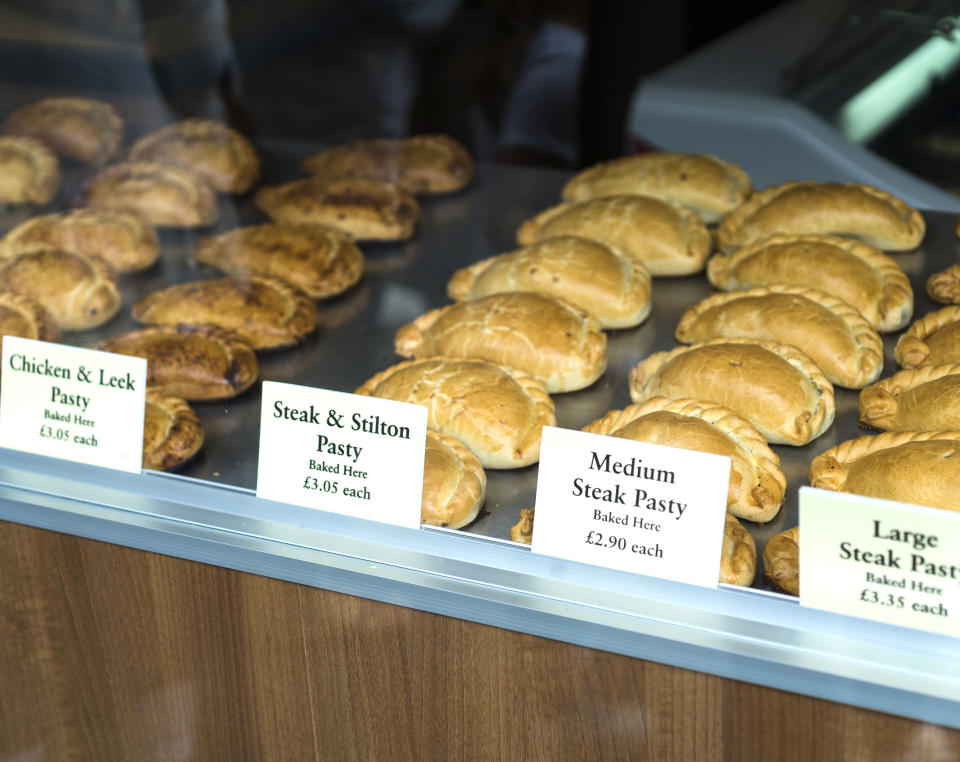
(918, 399)
(265, 312)
(368, 210)
(944, 286)
(124, 239)
(934, 339)
(172, 433)
(224, 157)
(80, 128)
(809, 207)
(863, 276)
(757, 484)
(781, 561)
(522, 531)
(321, 261)
(611, 286)
(919, 467)
(666, 237)
(541, 335)
(26, 318)
(195, 362)
(419, 164)
(709, 186)
(29, 171)
(78, 292)
(833, 334)
(497, 412)
(454, 483)
(163, 194)
(774, 386)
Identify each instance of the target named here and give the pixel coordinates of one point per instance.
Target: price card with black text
(339, 452)
(73, 403)
(629, 505)
(881, 560)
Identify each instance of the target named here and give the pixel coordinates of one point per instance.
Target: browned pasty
(916, 399)
(781, 561)
(29, 171)
(944, 286)
(81, 128)
(454, 483)
(26, 318)
(172, 433)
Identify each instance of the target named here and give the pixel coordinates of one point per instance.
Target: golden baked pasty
(546, 337)
(919, 467)
(124, 239)
(863, 276)
(666, 237)
(454, 483)
(496, 412)
(162, 194)
(224, 157)
(265, 312)
(195, 362)
(944, 286)
(757, 484)
(709, 186)
(781, 561)
(26, 318)
(522, 531)
(319, 260)
(934, 339)
(29, 171)
(172, 433)
(612, 287)
(837, 337)
(368, 210)
(774, 386)
(418, 164)
(81, 128)
(822, 208)
(78, 292)
(917, 399)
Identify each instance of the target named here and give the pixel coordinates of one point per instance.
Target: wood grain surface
(108, 653)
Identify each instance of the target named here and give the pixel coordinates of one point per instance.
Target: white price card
(339, 452)
(73, 403)
(629, 505)
(880, 560)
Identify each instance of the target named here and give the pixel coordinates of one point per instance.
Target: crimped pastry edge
(36, 313)
(46, 166)
(781, 561)
(912, 349)
(184, 437)
(944, 286)
(878, 404)
(739, 566)
(522, 531)
(91, 108)
(471, 491)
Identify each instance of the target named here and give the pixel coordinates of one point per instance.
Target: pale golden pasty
(496, 412)
(917, 399)
(919, 467)
(934, 339)
(667, 238)
(29, 171)
(709, 186)
(774, 386)
(781, 561)
(320, 261)
(757, 484)
(81, 128)
(546, 337)
(522, 531)
(944, 286)
(861, 275)
(823, 208)
(454, 483)
(829, 331)
(172, 432)
(612, 287)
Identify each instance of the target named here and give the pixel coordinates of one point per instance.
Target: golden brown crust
(29, 171)
(666, 237)
(933, 339)
(757, 484)
(522, 531)
(195, 362)
(944, 286)
(418, 164)
(497, 412)
(861, 275)
(172, 432)
(774, 386)
(368, 210)
(265, 312)
(124, 239)
(541, 335)
(81, 128)
(162, 194)
(916, 399)
(454, 483)
(781, 561)
(224, 157)
(829, 331)
(321, 261)
(809, 207)
(738, 556)
(709, 186)
(25, 317)
(614, 288)
(920, 467)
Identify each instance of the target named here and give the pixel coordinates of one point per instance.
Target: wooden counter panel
(112, 653)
